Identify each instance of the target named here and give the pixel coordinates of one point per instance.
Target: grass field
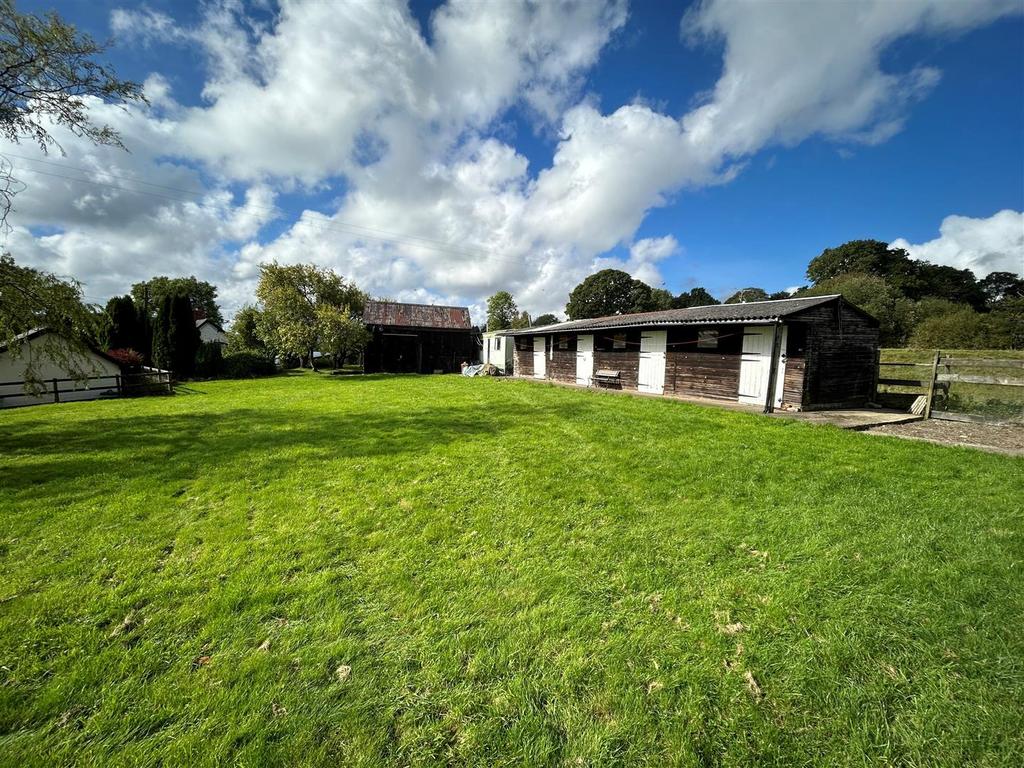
(315, 570)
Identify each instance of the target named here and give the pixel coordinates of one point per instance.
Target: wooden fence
(941, 371)
(13, 394)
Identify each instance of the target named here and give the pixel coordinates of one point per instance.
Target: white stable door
(539, 362)
(584, 360)
(755, 365)
(651, 377)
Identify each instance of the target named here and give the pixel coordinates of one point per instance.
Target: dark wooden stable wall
(842, 348)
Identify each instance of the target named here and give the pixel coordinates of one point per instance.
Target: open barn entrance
(400, 353)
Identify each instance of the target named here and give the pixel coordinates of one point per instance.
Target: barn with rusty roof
(418, 338)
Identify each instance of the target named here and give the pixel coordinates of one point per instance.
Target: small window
(563, 342)
(619, 341)
(497, 343)
(707, 339)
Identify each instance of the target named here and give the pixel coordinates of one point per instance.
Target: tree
(202, 294)
(340, 333)
(777, 295)
(290, 296)
(546, 319)
(175, 336)
(122, 327)
(30, 299)
(961, 329)
(1007, 322)
(243, 334)
(661, 299)
(608, 292)
(913, 278)
(1001, 285)
(871, 257)
(501, 311)
(747, 294)
(48, 74)
(697, 297)
(522, 320)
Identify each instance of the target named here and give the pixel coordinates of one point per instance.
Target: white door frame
(756, 362)
(754, 357)
(585, 359)
(651, 377)
(780, 367)
(539, 361)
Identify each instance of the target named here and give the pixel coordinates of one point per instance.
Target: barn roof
(749, 312)
(416, 315)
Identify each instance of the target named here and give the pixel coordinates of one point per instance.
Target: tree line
(917, 303)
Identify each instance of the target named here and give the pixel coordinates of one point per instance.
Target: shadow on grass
(175, 449)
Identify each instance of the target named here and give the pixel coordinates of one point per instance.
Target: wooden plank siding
(841, 358)
(522, 356)
(689, 372)
(700, 372)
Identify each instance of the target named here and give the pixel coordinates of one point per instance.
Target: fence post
(117, 381)
(56, 392)
(931, 385)
(878, 370)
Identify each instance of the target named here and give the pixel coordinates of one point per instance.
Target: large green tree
(695, 297)
(1001, 285)
(202, 294)
(748, 294)
(293, 321)
(545, 319)
(608, 292)
(243, 335)
(123, 328)
(501, 311)
(49, 72)
(341, 334)
(176, 339)
(913, 278)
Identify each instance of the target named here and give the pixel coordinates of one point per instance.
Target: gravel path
(985, 437)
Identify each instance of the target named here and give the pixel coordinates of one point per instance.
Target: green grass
(515, 573)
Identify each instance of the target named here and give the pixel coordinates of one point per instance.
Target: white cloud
(995, 244)
(793, 70)
(354, 97)
(98, 222)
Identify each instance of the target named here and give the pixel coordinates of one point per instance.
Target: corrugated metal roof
(416, 315)
(750, 312)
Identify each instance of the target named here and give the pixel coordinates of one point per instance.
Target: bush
(246, 365)
(129, 358)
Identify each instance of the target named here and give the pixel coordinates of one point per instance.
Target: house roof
(416, 315)
(749, 312)
(204, 320)
(35, 333)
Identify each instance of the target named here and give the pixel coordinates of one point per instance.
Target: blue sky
(722, 145)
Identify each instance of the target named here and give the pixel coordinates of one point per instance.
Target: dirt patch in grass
(985, 437)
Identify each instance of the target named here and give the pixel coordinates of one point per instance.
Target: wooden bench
(606, 377)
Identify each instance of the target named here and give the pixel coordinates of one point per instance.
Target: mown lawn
(504, 573)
